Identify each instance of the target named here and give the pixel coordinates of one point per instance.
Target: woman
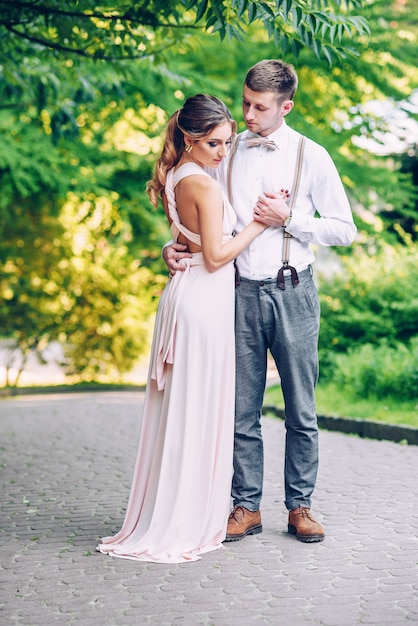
(180, 496)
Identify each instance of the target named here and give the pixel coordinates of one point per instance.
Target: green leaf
(252, 12)
(266, 9)
(287, 5)
(312, 22)
(201, 10)
(242, 6)
(298, 14)
(327, 54)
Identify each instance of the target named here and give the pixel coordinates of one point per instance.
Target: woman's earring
(188, 147)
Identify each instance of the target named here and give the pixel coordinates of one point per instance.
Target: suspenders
(229, 167)
(286, 236)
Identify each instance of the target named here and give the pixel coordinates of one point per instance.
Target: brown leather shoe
(304, 526)
(243, 522)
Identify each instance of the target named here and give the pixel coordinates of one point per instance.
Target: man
(277, 306)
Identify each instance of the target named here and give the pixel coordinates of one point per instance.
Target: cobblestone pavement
(66, 465)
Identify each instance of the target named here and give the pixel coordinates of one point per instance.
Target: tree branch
(83, 53)
(84, 15)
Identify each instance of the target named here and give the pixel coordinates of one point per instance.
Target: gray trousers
(286, 322)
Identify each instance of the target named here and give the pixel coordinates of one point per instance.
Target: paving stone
(67, 462)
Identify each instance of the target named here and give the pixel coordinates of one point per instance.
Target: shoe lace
(234, 512)
(304, 513)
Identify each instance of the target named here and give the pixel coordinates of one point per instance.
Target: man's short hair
(273, 75)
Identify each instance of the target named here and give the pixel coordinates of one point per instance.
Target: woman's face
(210, 150)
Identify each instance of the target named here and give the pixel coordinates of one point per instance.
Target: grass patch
(64, 388)
(331, 400)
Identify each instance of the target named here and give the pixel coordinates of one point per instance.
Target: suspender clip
(293, 274)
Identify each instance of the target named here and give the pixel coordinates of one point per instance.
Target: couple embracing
(243, 212)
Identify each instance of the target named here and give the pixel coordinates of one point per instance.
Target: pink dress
(180, 496)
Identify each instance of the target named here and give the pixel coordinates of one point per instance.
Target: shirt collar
(280, 133)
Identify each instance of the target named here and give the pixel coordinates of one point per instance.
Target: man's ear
(287, 106)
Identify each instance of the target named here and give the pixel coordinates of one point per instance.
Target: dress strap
(176, 226)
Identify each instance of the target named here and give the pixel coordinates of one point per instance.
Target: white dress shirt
(321, 214)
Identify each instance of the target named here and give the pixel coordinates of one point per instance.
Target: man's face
(263, 111)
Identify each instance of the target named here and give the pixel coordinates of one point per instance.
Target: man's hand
(172, 254)
(271, 208)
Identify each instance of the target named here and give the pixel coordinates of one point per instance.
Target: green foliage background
(369, 323)
(83, 104)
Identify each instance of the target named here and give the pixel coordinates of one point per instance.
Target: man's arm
(322, 215)
(172, 253)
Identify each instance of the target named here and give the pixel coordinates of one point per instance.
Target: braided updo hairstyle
(197, 118)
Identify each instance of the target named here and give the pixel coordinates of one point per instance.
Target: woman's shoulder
(188, 169)
(193, 175)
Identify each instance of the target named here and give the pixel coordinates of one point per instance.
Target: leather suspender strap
(229, 167)
(287, 236)
(229, 191)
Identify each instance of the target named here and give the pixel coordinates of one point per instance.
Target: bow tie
(261, 141)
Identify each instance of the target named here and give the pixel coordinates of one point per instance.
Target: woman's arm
(209, 202)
